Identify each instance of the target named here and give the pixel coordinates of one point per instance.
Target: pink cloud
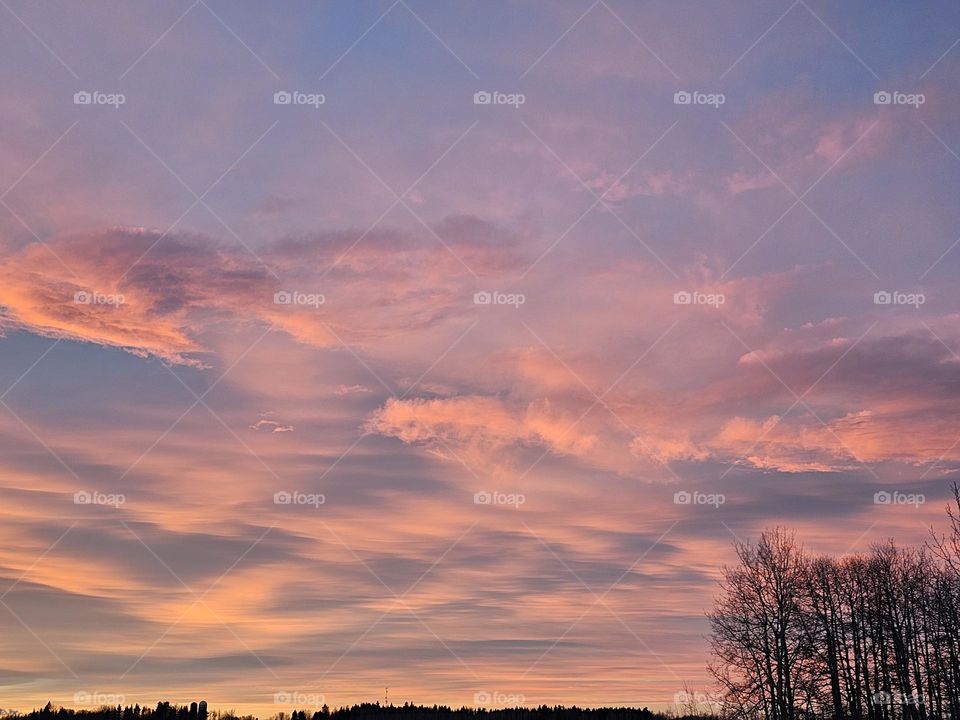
(485, 422)
(172, 289)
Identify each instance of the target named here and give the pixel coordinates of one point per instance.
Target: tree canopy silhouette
(873, 636)
(364, 711)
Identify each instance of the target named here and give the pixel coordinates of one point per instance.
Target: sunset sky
(458, 460)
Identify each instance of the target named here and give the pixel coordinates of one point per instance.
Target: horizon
(279, 707)
(201, 709)
(452, 346)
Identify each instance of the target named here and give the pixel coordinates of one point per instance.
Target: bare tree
(760, 641)
(868, 637)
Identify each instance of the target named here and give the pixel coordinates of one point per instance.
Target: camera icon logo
(282, 297)
(882, 97)
(82, 97)
(482, 498)
(481, 698)
(882, 297)
(82, 497)
(882, 498)
(482, 97)
(682, 498)
(82, 297)
(881, 698)
(282, 498)
(482, 298)
(682, 97)
(682, 298)
(282, 97)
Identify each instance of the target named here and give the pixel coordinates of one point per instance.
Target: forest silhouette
(364, 711)
(867, 636)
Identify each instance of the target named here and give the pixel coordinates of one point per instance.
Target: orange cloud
(159, 295)
(480, 421)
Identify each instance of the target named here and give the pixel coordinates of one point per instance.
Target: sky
(449, 346)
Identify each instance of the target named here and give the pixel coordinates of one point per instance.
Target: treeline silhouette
(364, 711)
(163, 711)
(873, 636)
(374, 711)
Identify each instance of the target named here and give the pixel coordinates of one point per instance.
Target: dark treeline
(872, 636)
(543, 712)
(163, 711)
(365, 711)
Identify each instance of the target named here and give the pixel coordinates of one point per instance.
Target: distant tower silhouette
(386, 696)
(202, 710)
